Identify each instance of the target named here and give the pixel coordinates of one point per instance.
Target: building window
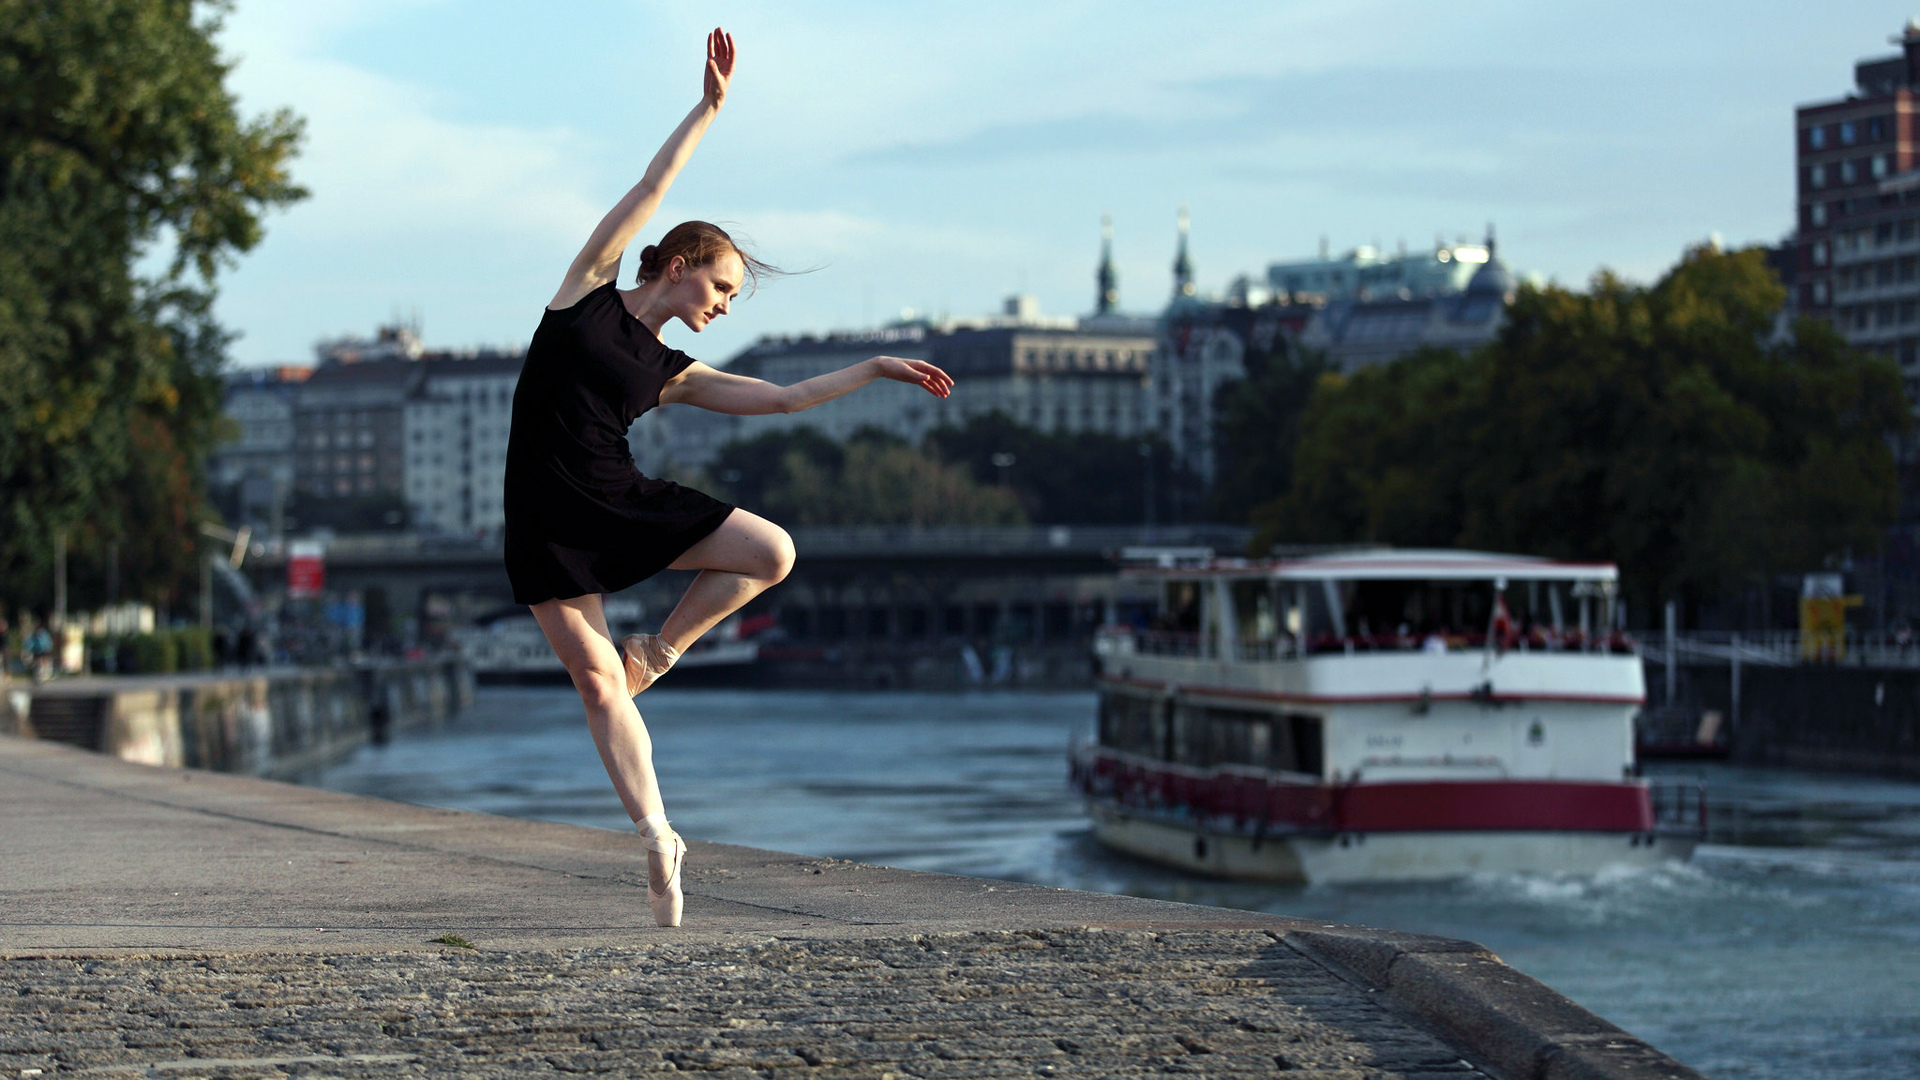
(1880, 166)
(1883, 273)
(1816, 137)
(1820, 296)
(1821, 255)
(1877, 129)
(1908, 311)
(1906, 228)
(1907, 267)
(1885, 313)
(1849, 172)
(1817, 176)
(1817, 215)
(1849, 133)
(1909, 354)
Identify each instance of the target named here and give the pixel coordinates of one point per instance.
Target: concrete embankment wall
(275, 722)
(1857, 719)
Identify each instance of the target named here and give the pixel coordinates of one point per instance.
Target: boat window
(1132, 724)
(1254, 610)
(1316, 617)
(1208, 736)
(1309, 755)
(1181, 613)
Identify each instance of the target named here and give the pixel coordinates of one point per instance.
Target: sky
(944, 156)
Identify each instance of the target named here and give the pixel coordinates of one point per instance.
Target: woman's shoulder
(591, 298)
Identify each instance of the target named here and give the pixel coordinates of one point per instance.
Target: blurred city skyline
(943, 158)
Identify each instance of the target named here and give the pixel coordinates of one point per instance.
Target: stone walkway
(1078, 1002)
(172, 924)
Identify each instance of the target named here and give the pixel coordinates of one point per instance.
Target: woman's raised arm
(599, 261)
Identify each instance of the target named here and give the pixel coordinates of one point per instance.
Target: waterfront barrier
(269, 722)
(1763, 706)
(171, 922)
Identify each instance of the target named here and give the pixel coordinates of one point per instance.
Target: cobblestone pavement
(1048, 1003)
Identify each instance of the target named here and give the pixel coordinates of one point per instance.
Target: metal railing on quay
(1784, 648)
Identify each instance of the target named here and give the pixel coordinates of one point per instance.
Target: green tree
(120, 148)
(1676, 429)
(1257, 426)
(746, 470)
(1380, 456)
(1068, 479)
(888, 484)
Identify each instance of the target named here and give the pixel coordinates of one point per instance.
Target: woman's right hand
(719, 66)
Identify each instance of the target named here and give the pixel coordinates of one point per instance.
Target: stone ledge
(1518, 1026)
(137, 872)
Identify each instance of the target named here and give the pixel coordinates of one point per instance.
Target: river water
(1788, 947)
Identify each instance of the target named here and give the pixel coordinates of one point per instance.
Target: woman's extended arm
(599, 261)
(718, 391)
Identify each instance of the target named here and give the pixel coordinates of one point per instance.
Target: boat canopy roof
(1399, 565)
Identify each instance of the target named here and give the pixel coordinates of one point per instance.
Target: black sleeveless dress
(581, 518)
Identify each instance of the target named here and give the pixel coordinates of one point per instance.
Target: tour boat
(1377, 716)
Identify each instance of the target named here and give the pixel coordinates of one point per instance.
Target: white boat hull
(1355, 858)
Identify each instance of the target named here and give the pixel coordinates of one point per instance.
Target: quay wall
(1811, 716)
(278, 722)
(1852, 719)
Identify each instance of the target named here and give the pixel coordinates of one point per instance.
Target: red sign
(306, 569)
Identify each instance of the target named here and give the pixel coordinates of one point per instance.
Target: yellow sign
(1823, 627)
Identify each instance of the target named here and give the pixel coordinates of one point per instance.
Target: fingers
(934, 379)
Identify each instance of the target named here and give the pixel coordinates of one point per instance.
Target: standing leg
(577, 629)
(744, 557)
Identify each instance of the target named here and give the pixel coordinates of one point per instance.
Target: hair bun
(649, 255)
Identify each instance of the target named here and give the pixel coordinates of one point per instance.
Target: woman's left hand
(918, 372)
(719, 66)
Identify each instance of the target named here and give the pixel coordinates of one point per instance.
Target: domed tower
(1107, 300)
(1182, 265)
(1492, 280)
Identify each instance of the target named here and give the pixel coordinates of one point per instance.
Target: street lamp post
(1003, 461)
(1146, 488)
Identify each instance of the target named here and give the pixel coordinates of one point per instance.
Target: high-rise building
(1858, 213)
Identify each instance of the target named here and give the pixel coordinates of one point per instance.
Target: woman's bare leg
(577, 630)
(744, 557)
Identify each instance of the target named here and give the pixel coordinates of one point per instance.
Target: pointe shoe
(646, 658)
(667, 904)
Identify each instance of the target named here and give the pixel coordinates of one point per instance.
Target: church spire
(1182, 264)
(1108, 298)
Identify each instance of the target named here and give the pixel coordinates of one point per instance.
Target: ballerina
(582, 521)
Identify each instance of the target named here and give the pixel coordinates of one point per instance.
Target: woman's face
(704, 293)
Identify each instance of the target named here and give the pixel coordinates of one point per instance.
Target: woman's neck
(648, 303)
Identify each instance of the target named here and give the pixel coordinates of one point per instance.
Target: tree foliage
(800, 477)
(1069, 479)
(127, 179)
(1675, 429)
(1257, 427)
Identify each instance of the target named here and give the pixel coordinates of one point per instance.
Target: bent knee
(779, 555)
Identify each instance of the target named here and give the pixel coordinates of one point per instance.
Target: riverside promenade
(160, 922)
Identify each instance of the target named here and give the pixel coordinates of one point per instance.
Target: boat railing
(1679, 806)
(1186, 644)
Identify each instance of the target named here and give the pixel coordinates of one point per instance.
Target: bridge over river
(1026, 584)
